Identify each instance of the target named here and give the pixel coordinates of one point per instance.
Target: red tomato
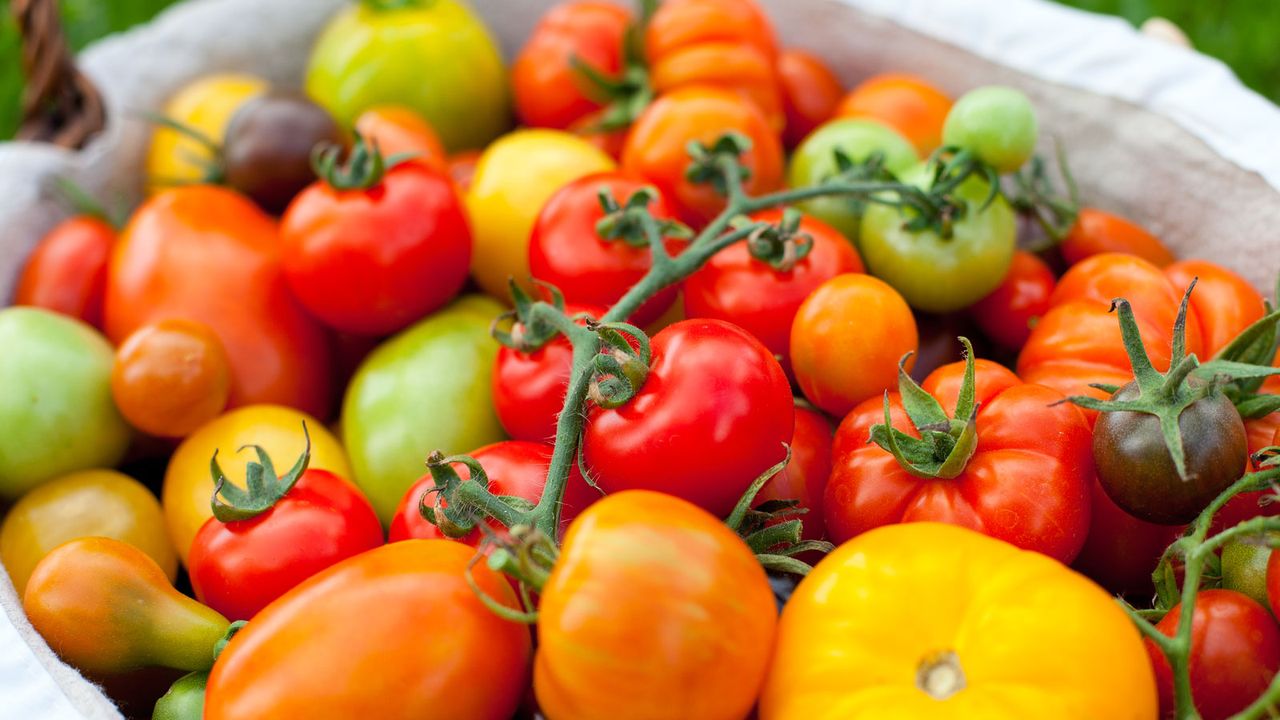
(906, 103)
(711, 417)
(239, 567)
(1235, 651)
(566, 251)
(549, 91)
(1012, 309)
(1122, 551)
(735, 287)
(810, 93)
(1027, 482)
(1098, 231)
(1262, 432)
(1224, 303)
(205, 253)
(805, 477)
(67, 271)
(373, 261)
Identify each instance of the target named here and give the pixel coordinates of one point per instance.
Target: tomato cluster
(688, 331)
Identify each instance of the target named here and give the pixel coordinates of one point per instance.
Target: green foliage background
(1243, 33)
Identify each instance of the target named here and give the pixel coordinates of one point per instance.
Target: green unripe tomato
(814, 161)
(55, 399)
(184, 700)
(935, 273)
(434, 56)
(1244, 569)
(996, 123)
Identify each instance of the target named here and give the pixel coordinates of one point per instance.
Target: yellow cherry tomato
(89, 503)
(205, 106)
(188, 485)
(930, 620)
(513, 180)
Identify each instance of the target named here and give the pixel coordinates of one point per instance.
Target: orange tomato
(811, 92)
(67, 271)
(462, 168)
(171, 377)
(1223, 302)
(905, 103)
(399, 130)
(1098, 231)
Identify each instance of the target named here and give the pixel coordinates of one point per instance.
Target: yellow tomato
(205, 106)
(929, 620)
(188, 484)
(89, 503)
(513, 180)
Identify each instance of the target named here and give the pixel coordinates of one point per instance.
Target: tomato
(1025, 482)
(205, 106)
(761, 299)
(1261, 432)
(1235, 651)
(313, 519)
(56, 407)
(847, 339)
(814, 162)
(186, 252)
(1273, 583)
(1224, 303)
(996, 123)
(980, 614)
(426, 389)
(1015, 306)
(653, 605)
(529, 387)
(515, 468)
(810, 93)
(101, 503)
(1244, 568)
(398, 130)
(711, 416)
(1098, 231)
(906, 103)
(513, 179)
(371, 54)
(566, 251)
(137, 618)
(462, 168)
(805, 477)
(67, 270)
(349, 643)
(933, 272)
(1121, 551)
(170, 377)
(372, 260)
(549, 90)
(184, 700)
(188, 486)
(657, 147)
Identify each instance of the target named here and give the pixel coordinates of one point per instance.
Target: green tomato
(55, 406)
(815, 160)
(434, 56)
(428, 388)
(933, 273)
(996, 123)
(1244, 569)
(184, 700)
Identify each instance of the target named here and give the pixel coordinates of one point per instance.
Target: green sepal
(621, 368)
(527, 331)
(364, 168)
(706, 160)
(263, 489)
(455, 520)
(630, 221)
(781, 245)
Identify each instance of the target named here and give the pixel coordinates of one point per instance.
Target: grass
(1243, 33)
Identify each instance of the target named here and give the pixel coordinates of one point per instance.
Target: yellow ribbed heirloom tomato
(929, 620)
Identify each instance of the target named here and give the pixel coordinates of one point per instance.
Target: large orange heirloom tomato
(934, 621)
(655, 609)
(393, 633)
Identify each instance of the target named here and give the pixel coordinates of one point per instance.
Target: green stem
(473, 494)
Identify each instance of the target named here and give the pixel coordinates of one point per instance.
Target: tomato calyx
(946, 442)
(626, 95)
(528, 330)
(783, 245)
(364, 168)
(621, 367)
(457, 505)
(263, 488)
(940, 675)
(775, 544)
(632, 223)
(1037, 197)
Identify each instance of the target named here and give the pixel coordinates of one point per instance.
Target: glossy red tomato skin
(1235, 652)
(67, 270)
(1122, 551)
(711, 417)
(805, 477)
(811, 92)
(1261, 432)
(238, 568)
(373, 261)
(566, 251)
(1012, 309)
(1027, 483)
(737, 288)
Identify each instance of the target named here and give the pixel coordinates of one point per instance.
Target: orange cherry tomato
(1098, 231)
(656, 147)
(171, 377)
(811, 92)
(905, 103)
(1012, 309)
(1224, 303)
(67, 271)
(398, 129)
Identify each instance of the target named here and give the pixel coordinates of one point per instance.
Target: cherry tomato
(170, 377)
(1273, 583)
(206, 106)
(656, 148)
(1098, 231)
(847, 339)
(67, 270)
(711, 417)
(652, 605)
(810, 93)
(763, 299)
(566, 251)
(805, 477)
(398, 130)
(1012, 309)
(1121, 551)
(1244, 568)
(1224, 303)
(995, 123)
(1261, 432)
(906, 103)
(462, 168)
(1235, 651)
